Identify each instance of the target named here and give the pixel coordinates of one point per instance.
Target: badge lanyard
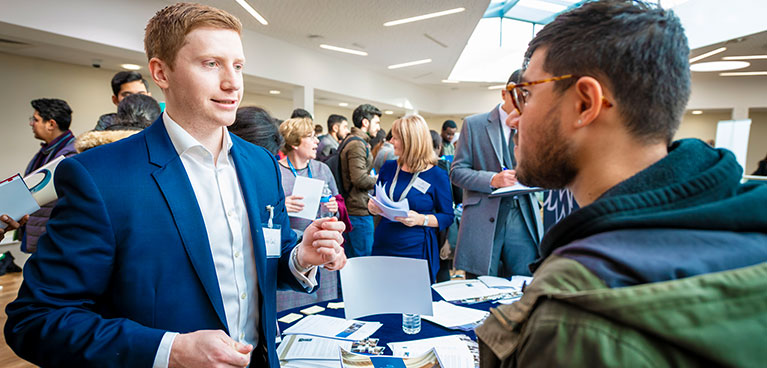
(407, 188)
(293, 169)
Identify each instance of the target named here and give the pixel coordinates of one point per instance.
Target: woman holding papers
(414, 178)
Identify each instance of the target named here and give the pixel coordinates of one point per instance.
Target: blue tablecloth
(391, 331)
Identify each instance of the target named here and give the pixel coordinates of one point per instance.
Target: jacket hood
(96, 138)
(694, 187)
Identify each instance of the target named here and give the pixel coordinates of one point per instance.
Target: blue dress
(392, 238)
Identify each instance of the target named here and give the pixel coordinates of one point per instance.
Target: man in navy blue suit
(166, 248)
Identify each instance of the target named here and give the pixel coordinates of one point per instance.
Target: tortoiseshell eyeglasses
(519, 93)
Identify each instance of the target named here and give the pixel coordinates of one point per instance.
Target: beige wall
(757, 140)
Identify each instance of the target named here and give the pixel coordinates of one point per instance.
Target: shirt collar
(502, 115)
(183, 141)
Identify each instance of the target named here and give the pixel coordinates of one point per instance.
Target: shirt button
(243, 296)
(230, 213)
(242, 336)
(237, 254)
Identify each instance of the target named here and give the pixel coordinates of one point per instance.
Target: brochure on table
(427, 359)
(379, 285)
(454, 351)
(333, 327)
(456, 317)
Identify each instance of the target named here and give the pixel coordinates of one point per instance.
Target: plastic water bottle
(326, 195)
(411, 323)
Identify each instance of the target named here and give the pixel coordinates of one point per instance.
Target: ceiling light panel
(710, 53)
(745, 57)
(130, 66)
(252, 11)
(742, 74)
(717, 66)
(344, 50)
(423, 17)
(409, 63)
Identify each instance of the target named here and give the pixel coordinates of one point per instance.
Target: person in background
(413, 176)
(448, 133)
(356, 162)
(376, 143)
(762, 170)
(385, 153)
(300, 149)
(497, 236)
(50, 123)
(11, 225)
(256, 126)
(317, 130)
(445, 250)
(665, 263)
(338, 129)
(134, 113)
(301, 113)
(123, 84)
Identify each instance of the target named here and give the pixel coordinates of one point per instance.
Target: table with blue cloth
(391, 329)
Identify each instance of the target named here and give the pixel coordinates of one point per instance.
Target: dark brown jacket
(356, 162)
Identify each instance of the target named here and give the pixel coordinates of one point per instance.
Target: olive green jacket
(569, 317)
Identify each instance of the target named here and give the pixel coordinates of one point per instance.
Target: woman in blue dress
(415, 177)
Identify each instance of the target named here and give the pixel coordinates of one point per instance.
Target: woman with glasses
(413, 177)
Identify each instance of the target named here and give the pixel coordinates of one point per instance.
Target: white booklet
(389, 208)
(333, 327)
(515, 189)
(454, 351)
(40, 182)
(306, 347)
(456, 317)
(15, 199)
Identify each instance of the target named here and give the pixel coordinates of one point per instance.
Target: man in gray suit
(498, 236)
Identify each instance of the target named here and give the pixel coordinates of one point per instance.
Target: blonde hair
(166, 31)
(293, 130)
(417, 152)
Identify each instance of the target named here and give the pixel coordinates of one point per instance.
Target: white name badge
(421, 185)
(273, 240)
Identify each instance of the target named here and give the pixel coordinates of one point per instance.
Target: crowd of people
(175, 242)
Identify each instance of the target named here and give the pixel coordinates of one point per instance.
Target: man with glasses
(498, 235)
(50, 124)
(664, 263)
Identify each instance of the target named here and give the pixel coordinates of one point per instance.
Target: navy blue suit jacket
(126, 256)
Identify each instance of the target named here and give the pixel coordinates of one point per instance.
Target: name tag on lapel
(421, 185)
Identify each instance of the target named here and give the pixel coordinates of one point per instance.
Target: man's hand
(12, 225)
(208, 348)
(505, 178)
(294, 203)
(322, 244)
(373, 208)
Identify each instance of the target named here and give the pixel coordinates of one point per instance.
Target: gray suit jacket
(477, 158)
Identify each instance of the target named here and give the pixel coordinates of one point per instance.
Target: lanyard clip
(269, 223)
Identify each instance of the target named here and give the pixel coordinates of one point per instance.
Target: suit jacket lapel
(494, 132)
(174, 184)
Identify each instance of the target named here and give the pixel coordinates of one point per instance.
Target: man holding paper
(50, 124)
(497, 236)
(164, 248)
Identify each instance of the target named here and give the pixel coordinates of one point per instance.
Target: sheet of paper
(40, 182)
(15, 199)
(464, 289)
(309, 363)
(290, 318)
(311, 347)
(333, 327)
(453, 351)
(377, 285)
(519, 281)
(455, 317)
(515, 189)
(336, 305)
(311, 190)
(496, 282)
(312, 310)
(389, 208)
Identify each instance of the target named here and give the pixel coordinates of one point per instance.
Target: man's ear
(52, 126)
(588, 100)
(158, 69)
(114, 100)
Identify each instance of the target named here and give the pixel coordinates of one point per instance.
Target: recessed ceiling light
(703, 56)
(343, 104)
(422, 17)
(745, 57)
(717, 66)
(499, 86)
(409, 63)
(388, 112)
(130, 66)
(450, 81)
(341, 49)
(274, 92)
(252, 11)
(697, 112)
(741, 74)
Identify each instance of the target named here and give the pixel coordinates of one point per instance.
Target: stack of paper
(516, 189)
(455, 351)
(389, 208)
(455, 317)
(311, 351)
(41, 182)
(15, 199)
(466, 291)
(334, 328)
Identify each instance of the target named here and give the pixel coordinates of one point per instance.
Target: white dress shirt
(221, 202)
(505, 128)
